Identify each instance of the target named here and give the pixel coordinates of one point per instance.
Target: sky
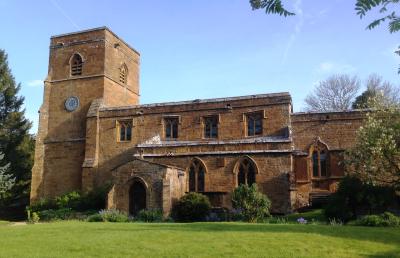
(198, 49)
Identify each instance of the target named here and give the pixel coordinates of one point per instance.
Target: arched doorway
(137, 197)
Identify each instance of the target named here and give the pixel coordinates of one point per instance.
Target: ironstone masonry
(93, 131)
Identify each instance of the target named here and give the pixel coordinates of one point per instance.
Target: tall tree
(15, 141)
(376, 88)
(334, 94)
(6, 180)
(362, 7)
(375, 158)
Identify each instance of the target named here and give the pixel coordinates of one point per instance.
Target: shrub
(113, 216)
(95, 218)
(43, 204)
(354, 198)
(252, 204)
(386, 219)
(191, 207)
(33, 217)
(70, 200)
(150, 216)
(77, 203)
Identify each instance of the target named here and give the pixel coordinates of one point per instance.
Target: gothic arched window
(246, 174)
(196, 176)
(76, 65)
(319, 160)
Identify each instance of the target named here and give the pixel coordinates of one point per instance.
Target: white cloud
(332, 67)
(297, 29)
(35, 83)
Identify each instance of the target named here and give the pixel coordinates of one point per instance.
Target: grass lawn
(83, 239)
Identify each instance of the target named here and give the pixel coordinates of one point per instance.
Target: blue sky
(205, 48)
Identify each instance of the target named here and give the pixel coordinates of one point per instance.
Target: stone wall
(164, 185)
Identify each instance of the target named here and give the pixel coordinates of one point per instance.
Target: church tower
(85, 66)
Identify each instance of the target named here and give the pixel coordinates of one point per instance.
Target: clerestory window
(211, 127)
(254, 124)
(171, 127)
(125, 130)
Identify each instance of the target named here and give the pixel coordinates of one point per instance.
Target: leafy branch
(271, 7)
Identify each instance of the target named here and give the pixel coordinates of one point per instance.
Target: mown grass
(2, 222)
(83, 239)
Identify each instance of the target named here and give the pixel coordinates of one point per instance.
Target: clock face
(71, 103)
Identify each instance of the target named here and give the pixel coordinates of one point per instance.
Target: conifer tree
(6, 180)
(15, 142)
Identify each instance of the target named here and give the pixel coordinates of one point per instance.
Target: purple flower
(302, 221)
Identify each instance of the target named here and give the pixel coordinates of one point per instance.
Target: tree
(6, 180)
(15, 141)
(334, 94)
(377, 88)
(362, 7)
(375, 158)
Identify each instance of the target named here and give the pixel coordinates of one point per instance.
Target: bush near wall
(355, 198)
(191, 207)
(72, 205)
(250, 204)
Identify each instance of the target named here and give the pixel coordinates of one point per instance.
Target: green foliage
(95, 218)
(271, 7)
(251, 203)
(70, 200)
(33, 217)
(364, 6)
(150, 216)
(354, 198)
(386, 219)
(76, 201)
(191, 207)
(15, 141)
(6, 180)
(375, 158)
(113, 215)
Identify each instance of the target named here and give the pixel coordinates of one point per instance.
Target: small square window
(124, 131)
(211, 127)
(254, 124)
(171, 127)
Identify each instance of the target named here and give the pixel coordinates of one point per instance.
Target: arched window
(123, 73)
(76, 65)
(246, 174)
(319, 160)
(196, 176)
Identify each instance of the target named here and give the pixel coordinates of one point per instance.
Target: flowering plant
(302, 221)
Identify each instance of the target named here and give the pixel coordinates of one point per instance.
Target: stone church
(93, 131)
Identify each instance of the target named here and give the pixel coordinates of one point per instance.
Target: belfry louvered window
(123, 73)
(76, 65)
